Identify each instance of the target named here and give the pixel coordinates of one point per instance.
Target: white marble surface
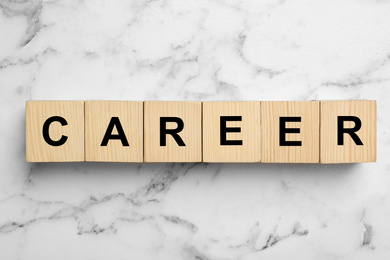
(192, 50)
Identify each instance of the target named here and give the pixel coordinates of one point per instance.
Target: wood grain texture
(37, 149)
(249, 151)
(191, 114)
(271, 150)
(331, 152)
(98, 115)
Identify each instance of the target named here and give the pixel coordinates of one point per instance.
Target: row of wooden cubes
(185, 131)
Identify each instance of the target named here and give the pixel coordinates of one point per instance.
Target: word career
(181, 131)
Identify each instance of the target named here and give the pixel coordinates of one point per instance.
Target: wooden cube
(348, 131)
(173, 131)
(231, 131)
(54, 131)
(290, 132)
(114, 131)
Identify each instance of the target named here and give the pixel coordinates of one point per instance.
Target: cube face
(339, 146)
(173, 131)
(54, 131)
(280, 140)
(231, 131)
(114, 131)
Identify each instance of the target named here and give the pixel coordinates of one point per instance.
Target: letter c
(45, 131)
